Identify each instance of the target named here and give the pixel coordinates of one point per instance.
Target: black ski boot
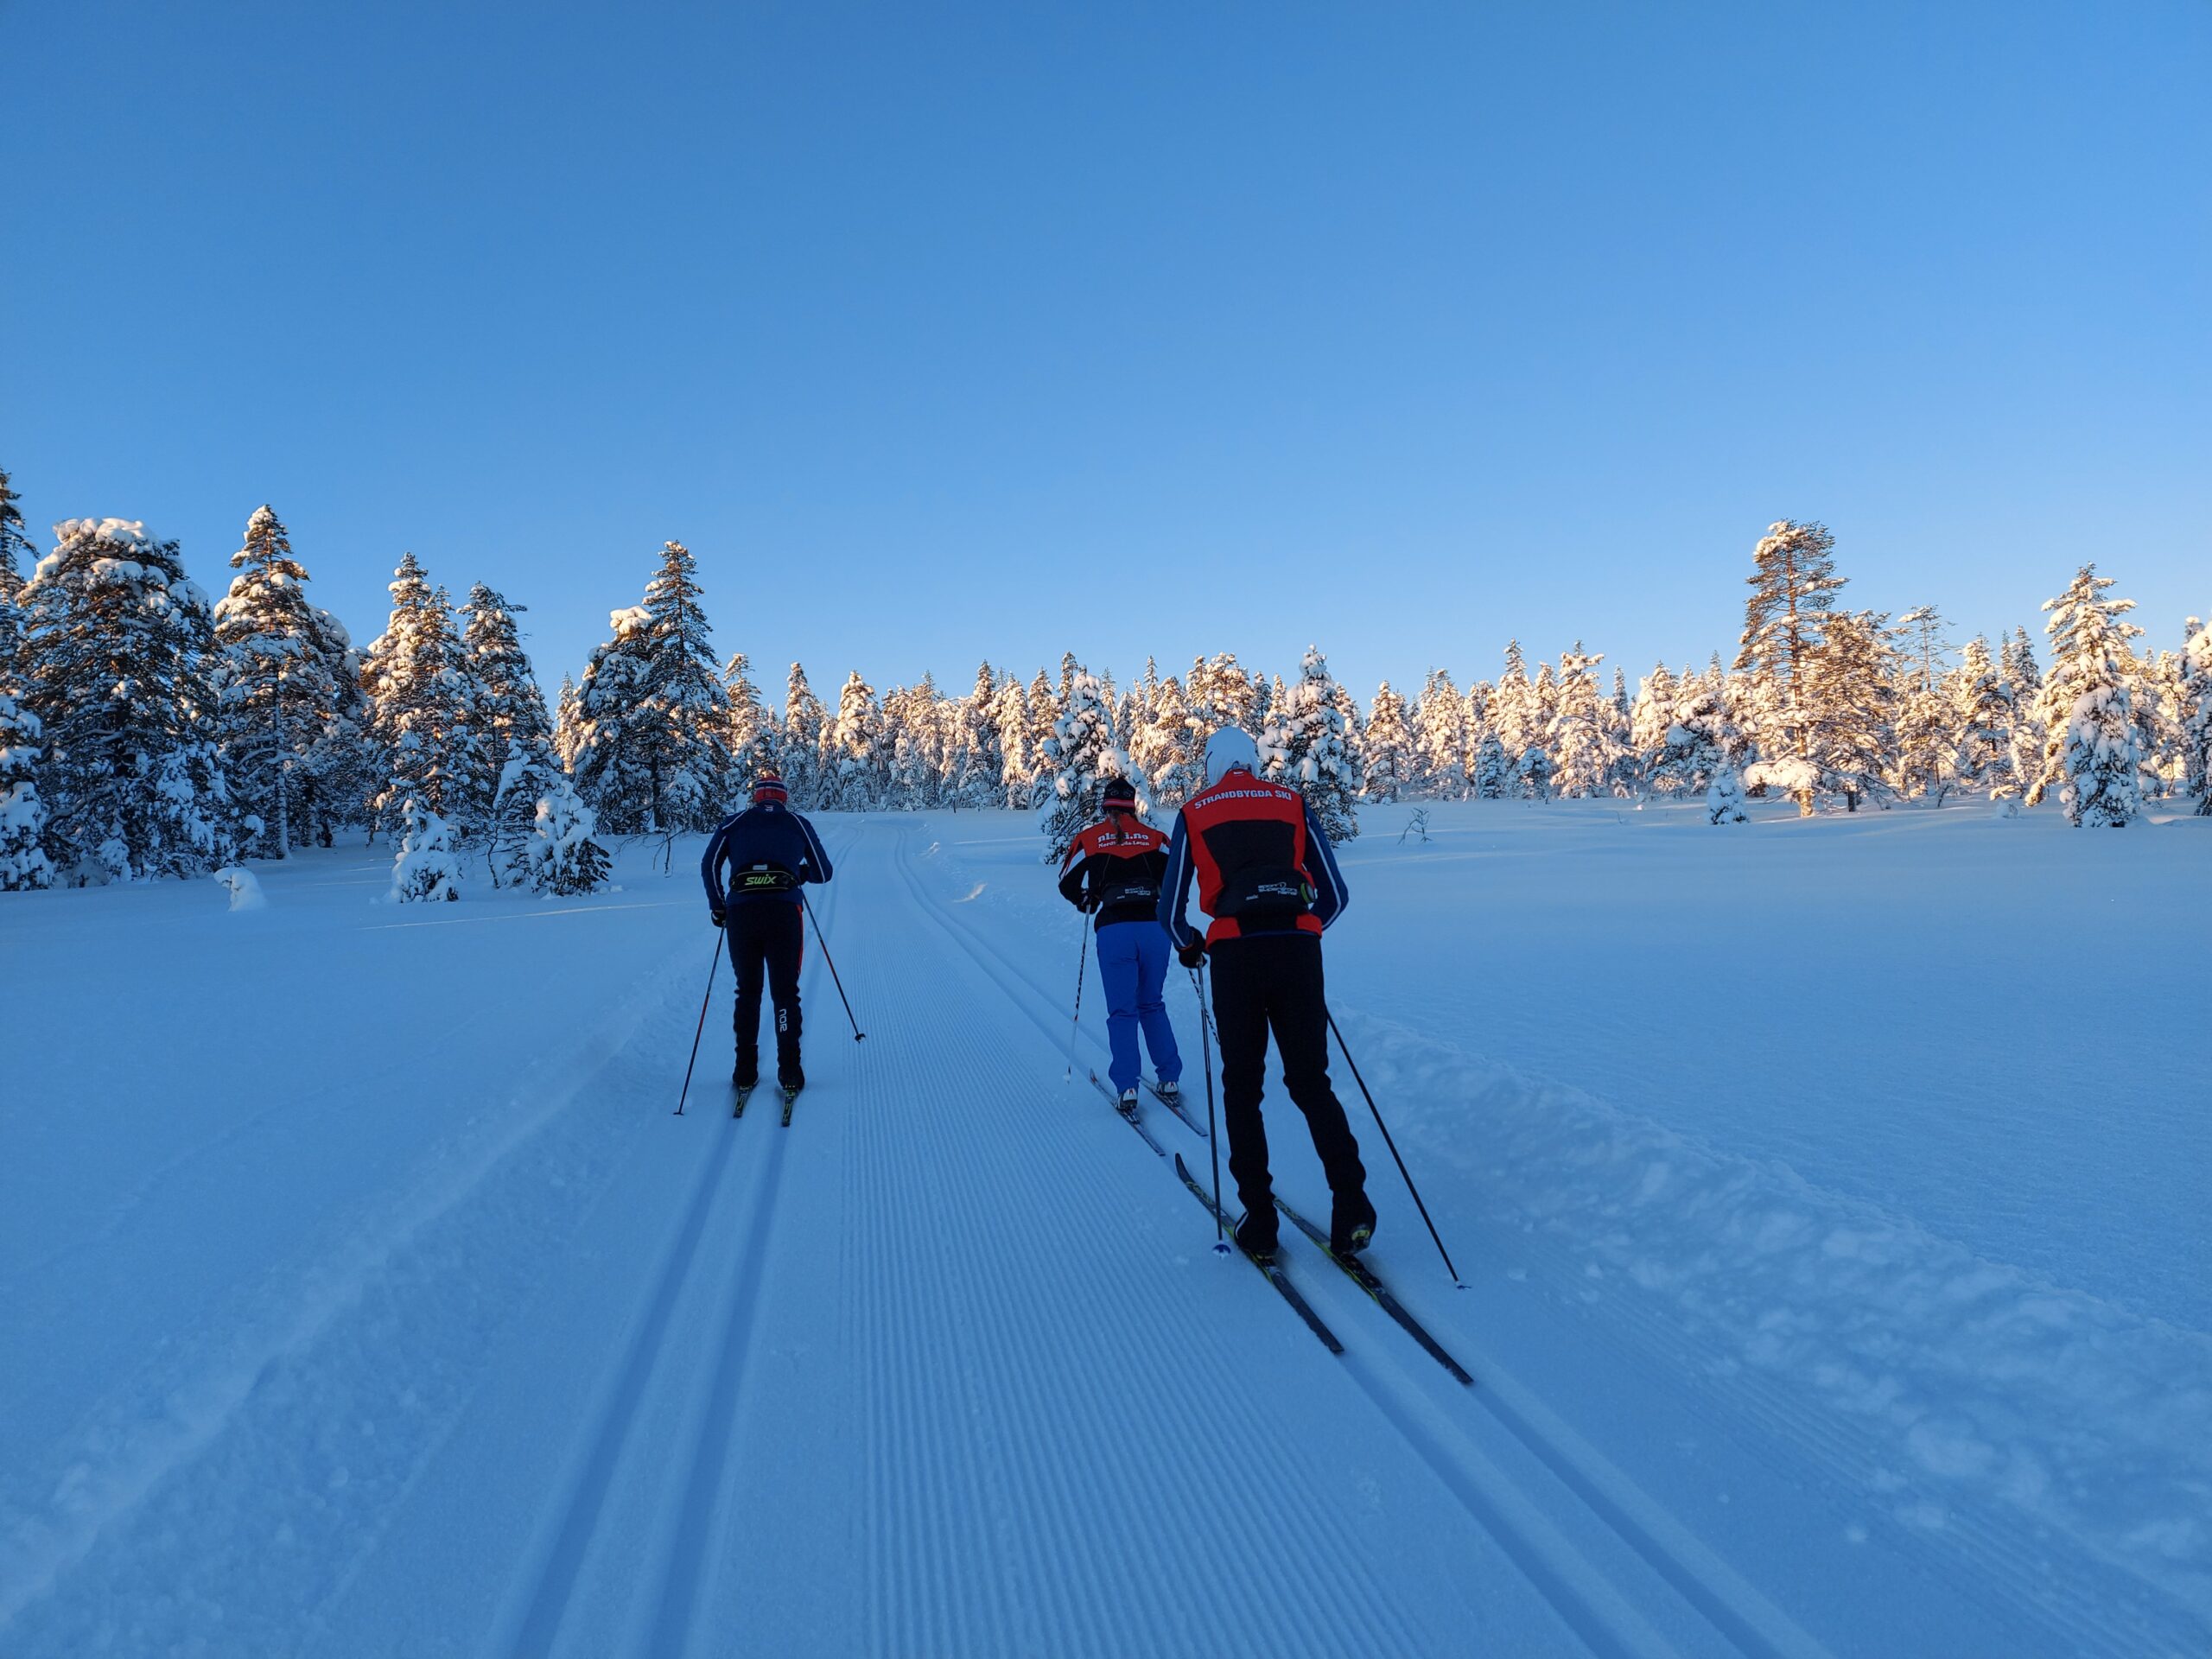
(1255, 1234)
(748, 1067)
(1352, 1224)
(790, 1078)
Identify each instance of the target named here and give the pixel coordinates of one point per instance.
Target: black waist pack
(1130, 893)
(1266, 897)
(764, 878)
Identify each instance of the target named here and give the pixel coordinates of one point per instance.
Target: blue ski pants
(1133, 962)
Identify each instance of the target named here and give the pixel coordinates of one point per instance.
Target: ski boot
(1127, 1104)
(1352, 1224)
(1256, 1235)
(1169, 1092)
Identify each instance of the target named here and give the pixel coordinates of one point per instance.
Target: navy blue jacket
(769, 838)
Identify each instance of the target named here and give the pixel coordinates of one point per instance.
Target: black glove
(717, 915)
(1192, 955)
(1089, 904)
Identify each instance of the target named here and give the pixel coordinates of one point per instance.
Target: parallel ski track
(1045, 1571)
(564, 1546)
(1729, 1604)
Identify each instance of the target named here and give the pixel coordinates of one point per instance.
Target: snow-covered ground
(1829, 1196)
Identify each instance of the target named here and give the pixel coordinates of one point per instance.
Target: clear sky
(941, 331)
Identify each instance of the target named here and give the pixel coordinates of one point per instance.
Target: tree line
(145, 731)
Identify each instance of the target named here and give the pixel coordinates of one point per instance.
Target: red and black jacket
(1120, 863)
(1261, 863)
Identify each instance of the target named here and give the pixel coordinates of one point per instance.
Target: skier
(1267, 879)
(771, 851)
(1113, 870)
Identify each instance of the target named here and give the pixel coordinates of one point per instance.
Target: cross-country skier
(1113, 870)
(1267, 878)
(770, 851)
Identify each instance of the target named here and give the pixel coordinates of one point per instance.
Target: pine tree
(1927, 728)
(1724, 798)
(15, 545)
(1794, 586)
(542, 836)
(804, 741)
(2090, 750)
(1440, 736)
(1017, 764)
(1850, 696)
(1580, 738)
(1083, 756)
(1514, 713)
(2196, 717)
(1982, 702)
(687, 715)
(859, 769)
(1387, 753)
(424, 869)
(1649, 719)
(751, 735)
(419, 691)
(1494, 778)
(114, 662)
(24, 862)
(1305, 746)
(510, 708)
(1699, 743)
(1166, 754)
(611, 763)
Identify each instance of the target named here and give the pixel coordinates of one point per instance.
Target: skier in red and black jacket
(1113, 870)
(1267, 878)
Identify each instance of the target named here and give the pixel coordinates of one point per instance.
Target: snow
(1824, 1293)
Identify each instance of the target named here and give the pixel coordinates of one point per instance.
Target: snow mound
(245, 887)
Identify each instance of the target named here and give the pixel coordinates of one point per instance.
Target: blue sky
(946, 331)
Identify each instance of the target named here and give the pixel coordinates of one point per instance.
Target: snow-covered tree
(1983, 712)
(289, 708)
(15, 545)
(1387, 749)
(1017, 753)
(1304, 745)
(425, 868)
(1440, 736)
(24, 862)
(568, 732)
(1494, 778)
(1167, 755)
(1794, 586)
(2090, 750)
(1927, 761)
(1083, 756)
(800, 747)
(612, 757)
(859, 765)
(508, 706)
(542, 838)
(1515, 714)
(1699, 743)
(2196, 719)
(1724, 798)
(1650, 716)
(751, 735)
(420, 690)
(114, 666)
(1850, 697)
(1581, 736)
(1535, 773)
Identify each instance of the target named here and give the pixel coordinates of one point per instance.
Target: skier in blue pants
(1113, 871)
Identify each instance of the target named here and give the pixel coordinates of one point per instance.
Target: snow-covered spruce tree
(15, 545)
(1535, 773)
(2196, 717)
(1440, 738)
(24, 862)
(686, 713)
(2017, 662)
(751, 735)
(1043, 714)
(1927, 764)
(1581, 737)
(858, 771)
(612, 764)
(2090, 751)
(283, 677)
(1982, 713)
(114, 664)
(421, 692)
(1009, 716)
(509, 706)
(1222, 693)
(981, 762)
(1387, 754)
(1794, 586)
(1514, 713)
(1650, 716)
(543, 834)
(1166, 754)
(1851, 698)
(1724, 796)
(424, 868)
(1699, 744)
(1494, 778)
(567, 721)
(800, 744)
(1083, 756)
(1305, 746)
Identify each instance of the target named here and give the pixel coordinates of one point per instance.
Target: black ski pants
(768, 940)
(1272, 983)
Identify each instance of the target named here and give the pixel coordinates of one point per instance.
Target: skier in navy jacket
(771, 851)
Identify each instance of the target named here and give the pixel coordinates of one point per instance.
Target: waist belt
(1131, 893)
(764, 878)
(1266, 897)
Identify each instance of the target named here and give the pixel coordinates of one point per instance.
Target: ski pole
(1213, 1140)
(712, 968)
(1082, 962)
(1457, 1283)
(857, 1032)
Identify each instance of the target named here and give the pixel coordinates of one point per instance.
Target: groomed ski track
(946, 1367)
